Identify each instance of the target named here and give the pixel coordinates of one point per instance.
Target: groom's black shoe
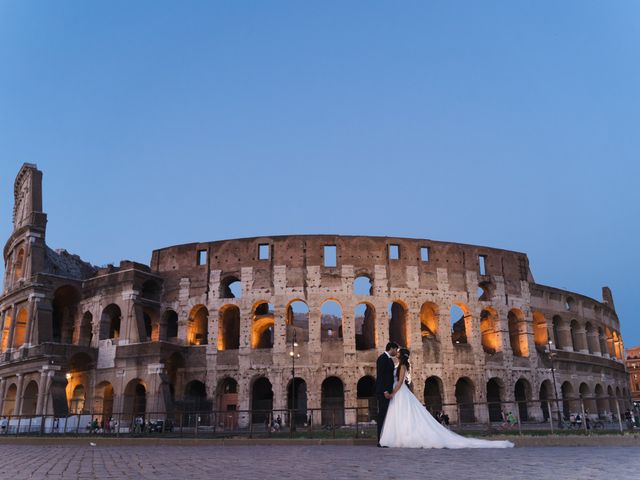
(380, 446)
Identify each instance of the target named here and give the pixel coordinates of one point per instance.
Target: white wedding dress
(409, 425)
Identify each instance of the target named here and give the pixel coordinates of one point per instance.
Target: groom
(384, 382)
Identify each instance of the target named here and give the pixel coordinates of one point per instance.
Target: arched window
(429, 320)
(198, 325)
(540, 331)
(365, 320)
(460, 320)
(518, 333)
(297, 321)
(362, 285)
(19, 265)
(490, 330)
(262, 326)
(331, 321)
(229, 328)
(231, 287)
(398, 324)
(110, 322)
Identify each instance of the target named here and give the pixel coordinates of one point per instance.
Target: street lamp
(293, 355)
(555, 386)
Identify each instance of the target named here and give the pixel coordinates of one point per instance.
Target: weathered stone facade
(211, 325)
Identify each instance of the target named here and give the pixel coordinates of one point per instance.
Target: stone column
(581, 340)
(33, 308)
(3, 385)
(593, 342)
(13, 328)
(564, 332)
(19, 395)
(42, 387)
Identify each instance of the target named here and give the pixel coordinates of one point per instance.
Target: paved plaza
(312, 462)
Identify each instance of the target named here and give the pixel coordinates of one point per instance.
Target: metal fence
(568, 415)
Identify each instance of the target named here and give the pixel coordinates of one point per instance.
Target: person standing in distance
(384, 382)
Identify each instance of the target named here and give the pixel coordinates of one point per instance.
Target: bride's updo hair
(403, 356)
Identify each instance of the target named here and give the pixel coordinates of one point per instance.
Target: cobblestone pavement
(313, 462)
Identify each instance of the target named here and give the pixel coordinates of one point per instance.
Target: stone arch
(592, 344)
(460, 323)
(198, 330)
(612, 399)
(110, 321)
(398, 324)
(135, 399)
(169, 325)
(19, 265)
(540, 330)
(262, 325)
(330, 321)
(602, 404)
(429, 319)
(546, 396)
(6, 332)
(85, 335)
(261, 399)
(365, 323)
(617, 345)
(518, 333)
(366, 398)
(602, 340)
(363, 285)
(568, 399)
(575, 340)
(587, 398)
(65, 304)
(610, 345)
(433, 390)
(522, 396)
(556, 325)
(297, 399)
(227, 397)
(103, 400)
(495, 396)
(20, 333)
(297, 321)
(77, 400)
(332, 401)
(465, 398)
(229, 328)
(195, 397)
(9, 404)
(30, 399)
(485, 291)
(489, 329)
(231, 287)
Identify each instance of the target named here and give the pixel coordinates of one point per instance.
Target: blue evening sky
(512, 124)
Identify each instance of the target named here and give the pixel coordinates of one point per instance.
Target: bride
(408, 424)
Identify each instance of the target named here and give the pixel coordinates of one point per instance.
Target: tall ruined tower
(24, 252)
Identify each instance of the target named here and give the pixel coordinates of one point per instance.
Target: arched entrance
(332, 401)
(103, 401)
(261, 400)
(494, 399)
(76, 403)
(135, 399)
(567, 399)
(299, 395)
(546, 398)
(464, 399)
(9, 404)
(433, 394)
(522, 395)
(30, 399)
(367, 403)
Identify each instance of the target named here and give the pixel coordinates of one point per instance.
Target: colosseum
(211, 326)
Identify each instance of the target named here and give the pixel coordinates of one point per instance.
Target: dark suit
(384, 383)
